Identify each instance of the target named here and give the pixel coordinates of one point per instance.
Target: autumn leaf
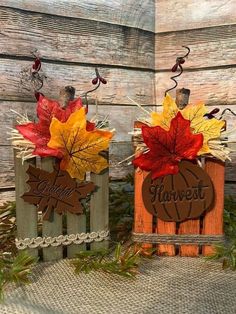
(168, 148)
(38, 133)
(210, 128)
(163, 119)
(55, 191)
(47, 109)
(80, 148)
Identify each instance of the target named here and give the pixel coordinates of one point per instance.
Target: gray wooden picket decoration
(27, 215)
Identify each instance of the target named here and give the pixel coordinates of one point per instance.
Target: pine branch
(122, 261)
(226, 252)
(15, 269)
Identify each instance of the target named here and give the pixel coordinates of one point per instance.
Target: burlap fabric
(166, 285)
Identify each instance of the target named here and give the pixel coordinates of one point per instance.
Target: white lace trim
(78, 238)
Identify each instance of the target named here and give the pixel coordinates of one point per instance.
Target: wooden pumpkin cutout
(185, 195)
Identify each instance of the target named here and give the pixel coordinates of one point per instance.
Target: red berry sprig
(95, 81)
(98, 78)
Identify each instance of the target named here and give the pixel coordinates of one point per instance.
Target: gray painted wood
(26, 214)
(174, 15)
(134, 13)
(210, 47)
(99, 207)
(66, 39)
(75, 224)
(139, 85)
(213, 87)
(51, 228)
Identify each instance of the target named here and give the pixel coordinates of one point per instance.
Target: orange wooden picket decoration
(143, 220)
(211, 222)
(191, 226)
(164, 227)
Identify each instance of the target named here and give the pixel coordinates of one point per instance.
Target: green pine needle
(122, 261)
(15, 269)
(226, 252)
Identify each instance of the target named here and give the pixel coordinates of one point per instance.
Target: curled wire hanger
(178, 65)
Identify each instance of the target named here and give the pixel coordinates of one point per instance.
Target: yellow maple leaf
(170, 110)
(80, 148)
(210, 128)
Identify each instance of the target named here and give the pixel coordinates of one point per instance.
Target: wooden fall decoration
(143, 220)
(211, 222)
(53, 191)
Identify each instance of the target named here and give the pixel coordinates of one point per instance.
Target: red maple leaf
(168, 148)
(39, 134)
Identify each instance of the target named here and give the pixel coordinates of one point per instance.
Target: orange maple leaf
(80, 148)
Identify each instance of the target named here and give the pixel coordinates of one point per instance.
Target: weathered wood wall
(73, 37)
(208, 28)
(134, 47)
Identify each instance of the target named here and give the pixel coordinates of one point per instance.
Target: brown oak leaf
(55, 191)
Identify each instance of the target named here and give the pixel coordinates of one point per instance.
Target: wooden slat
(75, 224)
(121, 82)
(99, 207)
(76, 40)
(191, 226)
(164, 227)
(175, 15)
(26, 214)
(134, 13)
(143, 220)
(213, 220)
(210, 47)
(51, 228)
(214, 87)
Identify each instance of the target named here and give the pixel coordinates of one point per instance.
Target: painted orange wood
(142, 218)
(213, 221)
(164, 227)
(189, 227)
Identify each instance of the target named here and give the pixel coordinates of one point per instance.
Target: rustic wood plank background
(134, 43)
(73, 37)
(208, 28)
